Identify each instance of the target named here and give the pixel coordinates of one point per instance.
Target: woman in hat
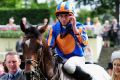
(115, 59)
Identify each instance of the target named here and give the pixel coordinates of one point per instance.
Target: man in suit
(12, 62)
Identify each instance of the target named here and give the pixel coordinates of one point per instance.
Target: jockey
(68, 37)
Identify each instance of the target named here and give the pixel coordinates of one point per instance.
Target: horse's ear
(42, 29)
(25, 25)
(22, 26)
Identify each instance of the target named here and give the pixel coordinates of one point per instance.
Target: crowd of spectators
(10, 25)
(109, 30)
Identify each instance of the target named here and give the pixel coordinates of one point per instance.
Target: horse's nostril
(28, 62)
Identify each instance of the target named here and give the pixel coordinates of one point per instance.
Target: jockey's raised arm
(68, 37)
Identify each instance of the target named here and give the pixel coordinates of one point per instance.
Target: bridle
(37, 71)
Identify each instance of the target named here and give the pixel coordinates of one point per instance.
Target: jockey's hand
(72, 19)
(58, 58)
(52, 51)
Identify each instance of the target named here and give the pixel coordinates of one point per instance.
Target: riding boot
(81, 75)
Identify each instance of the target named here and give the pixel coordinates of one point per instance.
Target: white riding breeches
(71, 63)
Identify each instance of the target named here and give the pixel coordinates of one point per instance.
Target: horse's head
(32, 40)
(35, 48)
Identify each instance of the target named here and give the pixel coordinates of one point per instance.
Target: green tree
(7, 3)
(53, 6)
(11, 3)
(84, 2)
(103, 6)
(18, 3)
(83, 14)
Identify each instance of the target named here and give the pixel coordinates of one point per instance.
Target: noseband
(37, 72)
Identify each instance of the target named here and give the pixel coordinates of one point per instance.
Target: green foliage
(85, 2)
(34, 5)
(102, 7)
(15, 8)
(10, 34)
(39, 6)
(90, 34)
(8, 3)
(83, 14)
(53, 6)
(18, 4)
(52, 11)
(34, 16)
(102, 10)
(15, 34)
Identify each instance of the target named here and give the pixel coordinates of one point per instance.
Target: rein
(39, 63)
(41, 54)
(37, 70)
(36, 65)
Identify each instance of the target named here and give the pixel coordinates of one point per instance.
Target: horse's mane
(46, 50)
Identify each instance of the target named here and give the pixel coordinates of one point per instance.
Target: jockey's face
(64, 19)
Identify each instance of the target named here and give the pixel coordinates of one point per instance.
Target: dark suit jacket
(20, 76)
(19, 46)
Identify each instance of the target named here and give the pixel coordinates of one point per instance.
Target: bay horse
(39, 57)
(36, 52)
